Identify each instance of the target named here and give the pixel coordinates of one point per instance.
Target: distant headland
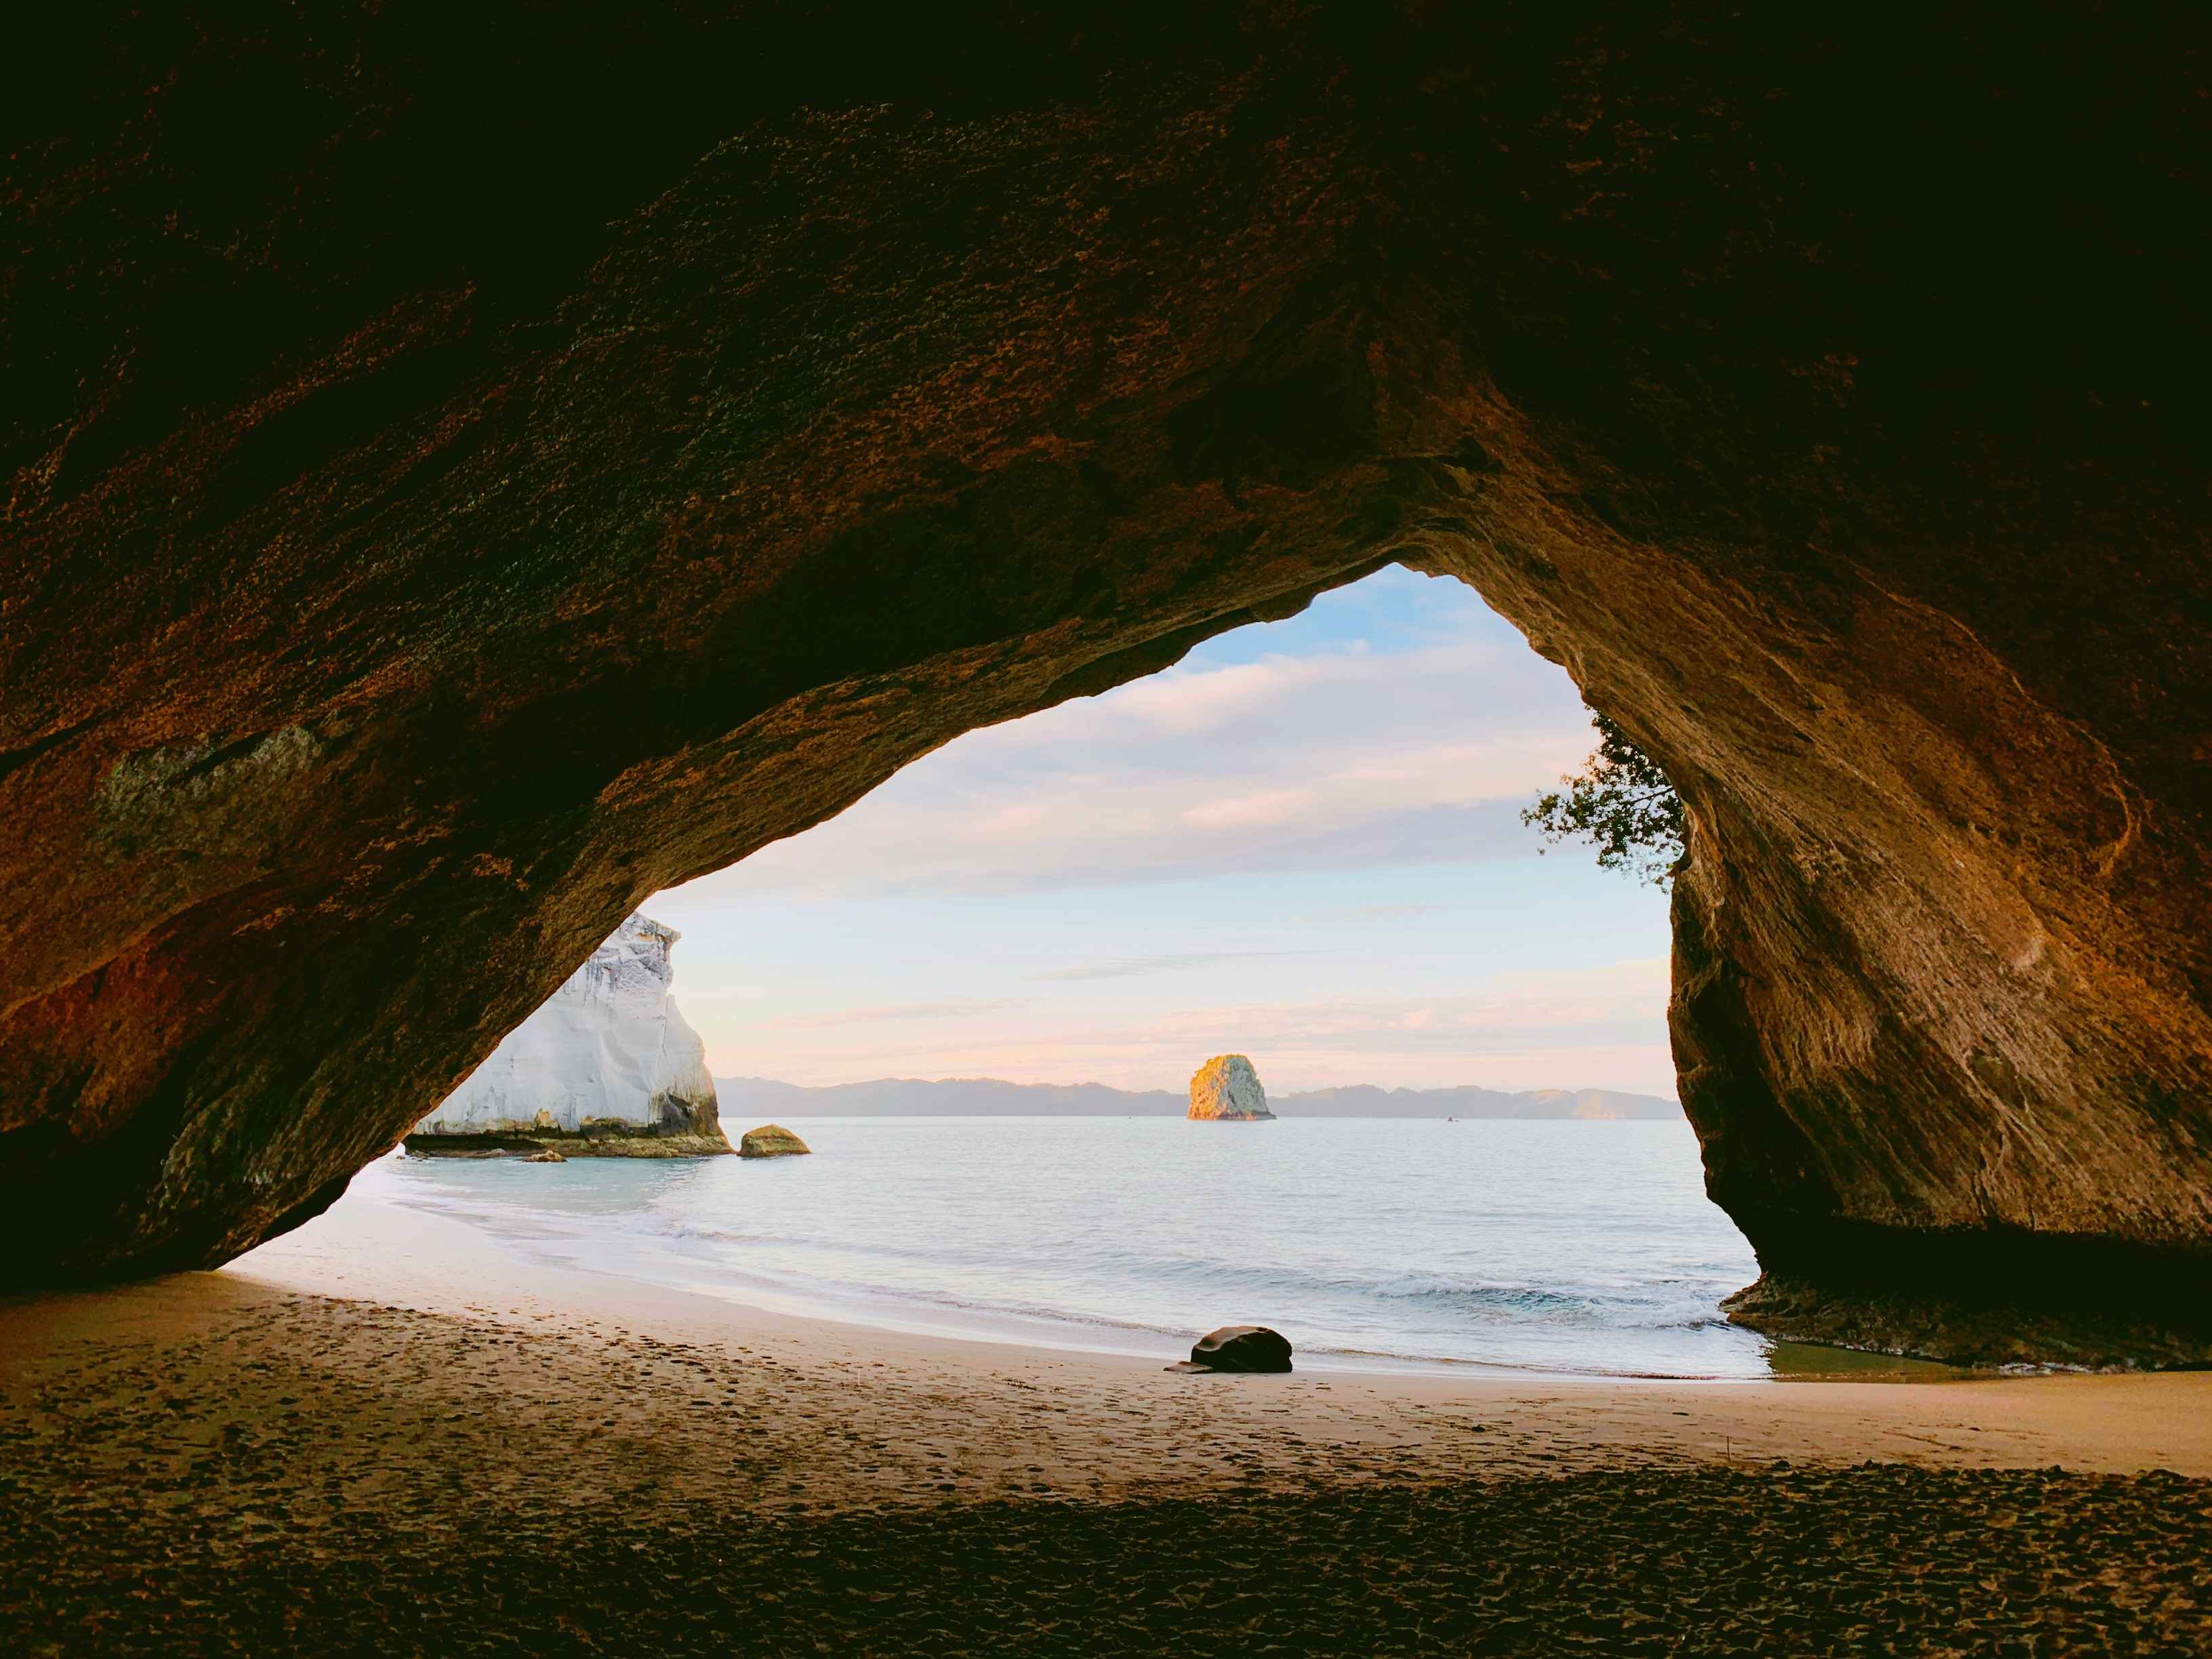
(889, 1096)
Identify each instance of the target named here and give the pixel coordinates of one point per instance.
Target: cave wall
(515, 470)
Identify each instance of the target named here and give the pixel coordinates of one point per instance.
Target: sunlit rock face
(772, 1140)
(606, 1065)
(1227, 1089)
(432, 525)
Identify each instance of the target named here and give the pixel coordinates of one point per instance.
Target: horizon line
(1289, 1094)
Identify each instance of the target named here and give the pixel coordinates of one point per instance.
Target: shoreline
(383, 1433)
(1834, 1408)
(1520, 1290)
(891, 1315)
(384, 1268)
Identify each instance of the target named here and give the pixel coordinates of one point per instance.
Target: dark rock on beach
(1238, 1348)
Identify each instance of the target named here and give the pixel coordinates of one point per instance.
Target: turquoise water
(1569, 1246)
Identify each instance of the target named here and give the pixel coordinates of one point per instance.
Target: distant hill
(750, 1098)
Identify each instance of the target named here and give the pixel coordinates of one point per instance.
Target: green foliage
(1621, 801)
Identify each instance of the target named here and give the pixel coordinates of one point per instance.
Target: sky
(1303, 844)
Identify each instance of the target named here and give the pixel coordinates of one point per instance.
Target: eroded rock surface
(771, 1140)
(1227, 1089)
(606, 1067)
(432, 524)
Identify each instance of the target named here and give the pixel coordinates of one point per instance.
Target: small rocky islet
(1226, 1089)
(771, 1140)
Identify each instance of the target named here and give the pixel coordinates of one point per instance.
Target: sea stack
(605, 1069)
(1226, 1089)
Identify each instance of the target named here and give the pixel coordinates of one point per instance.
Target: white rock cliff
(607, 1065)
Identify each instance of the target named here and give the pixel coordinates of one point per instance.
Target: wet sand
(385, 1435)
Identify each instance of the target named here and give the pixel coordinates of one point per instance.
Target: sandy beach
(387, 1433)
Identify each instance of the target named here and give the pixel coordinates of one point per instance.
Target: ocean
(1551, 1248)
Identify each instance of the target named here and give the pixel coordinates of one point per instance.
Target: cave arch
(1304, 842)
(392, 601)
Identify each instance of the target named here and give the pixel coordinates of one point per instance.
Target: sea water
(1567, 1247)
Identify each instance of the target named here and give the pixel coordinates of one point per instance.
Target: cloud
(1337, 761)
(951, 1008)
(1269, 807)
(1187, 701)
(1137, 967)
